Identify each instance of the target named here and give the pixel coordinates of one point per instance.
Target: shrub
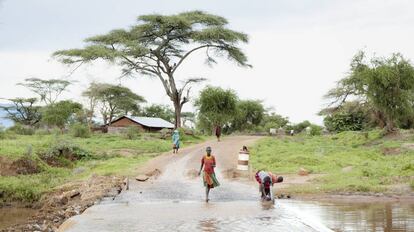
(61, 153)
(132, 132)
(315, 130)
(22, 130)
(165, 133)
(80, 130)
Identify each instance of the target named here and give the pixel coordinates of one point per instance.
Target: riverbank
(59, 176)
(344, 164)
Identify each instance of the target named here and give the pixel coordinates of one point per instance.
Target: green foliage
(370, 170)
(28, 188)
(159, 111)
(159, 44)
(80, 130)
(273, 120)
(48, 90)
(21, 129)
(58, 114)
(107, 150)
(384, 83)
(216, 106)
(249, 114)
(315, 130)
(351, 116)
(132, 132)
(65, 149)
(112, 100)
(23, 111)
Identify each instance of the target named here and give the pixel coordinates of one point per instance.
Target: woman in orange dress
(209, 177)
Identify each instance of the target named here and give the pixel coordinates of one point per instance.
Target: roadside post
(243, 161)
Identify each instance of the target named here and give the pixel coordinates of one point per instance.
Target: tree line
(102, 100)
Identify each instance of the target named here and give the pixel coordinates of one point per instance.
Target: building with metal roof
(148, 124)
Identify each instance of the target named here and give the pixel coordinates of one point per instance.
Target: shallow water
(10, 216)
(357, 216)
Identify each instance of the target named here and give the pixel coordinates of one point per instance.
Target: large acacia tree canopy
(158, 39)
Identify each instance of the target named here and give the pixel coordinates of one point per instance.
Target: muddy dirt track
(174, 200)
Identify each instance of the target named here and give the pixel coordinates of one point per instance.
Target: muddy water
(11, 216)
(357, 216)
(174, 202)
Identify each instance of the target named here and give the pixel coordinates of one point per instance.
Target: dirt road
(175, 200)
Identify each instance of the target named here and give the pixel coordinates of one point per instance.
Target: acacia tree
(385, 83)
(23, 111)
(112, 100)
(159, 44)
(48, 90)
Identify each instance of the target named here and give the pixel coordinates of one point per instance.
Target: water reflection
(209, 225)
(388, 217)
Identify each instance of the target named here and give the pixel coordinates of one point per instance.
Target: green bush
(315, 130)
(132, 132)
(65, 149)
(80, 130)
(22, 130)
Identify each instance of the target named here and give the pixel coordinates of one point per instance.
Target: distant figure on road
(218, 133)
(176, 141)
(245, 150)
(292, 132)
(209, 177)
(266, 181)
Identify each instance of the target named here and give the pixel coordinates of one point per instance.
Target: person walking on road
(176, 141)
(209, 177)
(218, 133)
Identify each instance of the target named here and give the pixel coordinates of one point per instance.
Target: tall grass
(369, 169)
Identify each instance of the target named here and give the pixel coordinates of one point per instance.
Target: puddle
(11, 216)
(388, 217)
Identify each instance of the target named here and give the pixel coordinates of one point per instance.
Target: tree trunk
(177, 109)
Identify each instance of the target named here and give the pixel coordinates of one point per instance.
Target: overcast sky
(298, 49)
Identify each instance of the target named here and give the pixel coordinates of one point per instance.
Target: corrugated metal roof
(152, 122)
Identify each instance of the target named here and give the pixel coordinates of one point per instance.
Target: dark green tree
(250, 113)
(216, 106)
(385, 83)
(350, 116)
(159, 111)
(58, 114)
(23, 111)
(158, 45)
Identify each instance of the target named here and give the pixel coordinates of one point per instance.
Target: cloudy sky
(298, 49)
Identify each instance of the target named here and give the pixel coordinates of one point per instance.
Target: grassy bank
(101, 154)
(349, 161)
